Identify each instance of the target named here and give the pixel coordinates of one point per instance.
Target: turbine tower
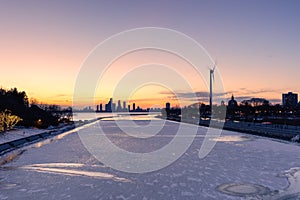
(211, 78)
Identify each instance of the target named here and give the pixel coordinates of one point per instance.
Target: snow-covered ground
(19, 133)
(240, 166)
(23, 132)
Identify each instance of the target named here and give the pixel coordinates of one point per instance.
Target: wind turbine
(211, 79)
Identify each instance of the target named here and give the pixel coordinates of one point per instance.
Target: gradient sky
(256, 43)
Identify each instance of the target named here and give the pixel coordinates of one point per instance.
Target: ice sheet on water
(256, 162)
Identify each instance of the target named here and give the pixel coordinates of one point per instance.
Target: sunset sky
(44, 43)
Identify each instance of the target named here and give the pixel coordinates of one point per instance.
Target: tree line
(252, 110)
(15, 110)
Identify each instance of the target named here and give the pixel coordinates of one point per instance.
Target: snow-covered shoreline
(22, 136)
(23, 132)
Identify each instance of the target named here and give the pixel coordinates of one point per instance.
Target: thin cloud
(191, 95)
(267, 90)
(61, 95)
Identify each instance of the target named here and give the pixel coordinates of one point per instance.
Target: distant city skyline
(289, 99)
(255, 43)
(111, 106)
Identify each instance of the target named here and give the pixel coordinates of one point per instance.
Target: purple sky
(256, 43)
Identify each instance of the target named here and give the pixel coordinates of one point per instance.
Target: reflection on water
(58, 137)
(116, 115)
(67, 169)
(133, 117)
(7, 186)
(232, 138)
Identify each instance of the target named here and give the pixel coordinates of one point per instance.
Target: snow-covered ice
(240, 166)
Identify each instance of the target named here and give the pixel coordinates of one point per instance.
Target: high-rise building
(128, 108)
(113, 107)
(109, 106)
(101, 108)
(133, 106)
(168, 106)
(119, 108)
(124, 105)
(289, 100)
(97, 109)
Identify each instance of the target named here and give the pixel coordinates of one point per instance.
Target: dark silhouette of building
(289, 100)
(133, 106)
(232, 108)
(222, 103)
(232, 103)
(119, 108)
(124, 105)
(101, 109)
(168, 106)
(108, 106)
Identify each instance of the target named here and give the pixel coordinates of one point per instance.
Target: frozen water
(253, 167)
